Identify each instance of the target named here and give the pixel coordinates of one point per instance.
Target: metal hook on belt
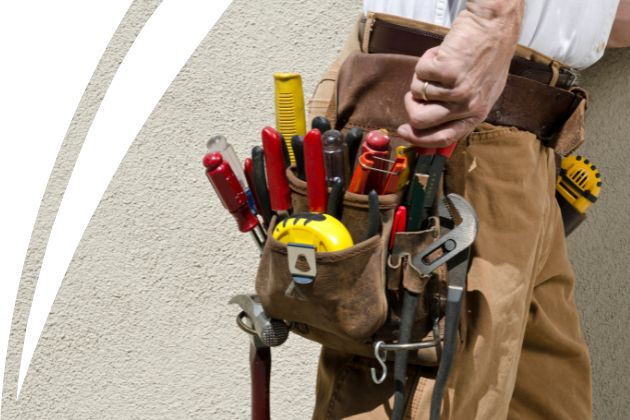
(381, 357)
(381, 349)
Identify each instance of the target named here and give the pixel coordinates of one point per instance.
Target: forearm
(493, 14)
(620, 34)
(499, 21)
(492, 27)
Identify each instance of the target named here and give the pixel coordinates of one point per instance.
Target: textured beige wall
(141, 327)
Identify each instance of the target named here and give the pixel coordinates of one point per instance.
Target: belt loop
(367, 30)
(555, 73)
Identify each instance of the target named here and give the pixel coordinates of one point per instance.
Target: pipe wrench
(457, 215)
(455, 246)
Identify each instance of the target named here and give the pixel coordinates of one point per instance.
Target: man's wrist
(502, 17)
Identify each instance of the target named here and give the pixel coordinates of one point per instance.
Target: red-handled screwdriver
(279, 193)
(232, 195)
(316, 188)
(377, 143)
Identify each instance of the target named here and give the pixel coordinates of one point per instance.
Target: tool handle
(334, 157)
(335, 199)
(287, 151)
(321, 123)
(376, 141)
(248, 168)
(392, 180)
(260, 184)
(400, 225)
(229, 190)
(290, 113)
(353, 140)
(447, 151)
(297, 142)
(374, 215)
(260, 369)
(317, 191)
(451, 325)
(407, 317)
(277, 182)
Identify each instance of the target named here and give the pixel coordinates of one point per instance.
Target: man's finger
(434, 91)
(441, 136)
(429, 68)
(424, 115)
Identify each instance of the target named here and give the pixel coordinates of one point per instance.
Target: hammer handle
(260, 368)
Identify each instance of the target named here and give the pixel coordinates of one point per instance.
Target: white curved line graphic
(158, 54)
(48, 50)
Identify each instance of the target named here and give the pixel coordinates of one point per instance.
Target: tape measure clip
(302, 263)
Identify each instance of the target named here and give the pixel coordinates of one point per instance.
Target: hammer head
(271, 332)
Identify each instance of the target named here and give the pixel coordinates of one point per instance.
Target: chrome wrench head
(456, 209)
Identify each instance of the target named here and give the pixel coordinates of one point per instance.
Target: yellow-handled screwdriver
(290, 114)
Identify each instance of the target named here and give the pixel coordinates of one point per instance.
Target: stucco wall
(141, 327)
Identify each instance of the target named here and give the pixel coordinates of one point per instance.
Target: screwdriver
(376, 142)
(248, 168)
(286, 154)
(335, 199)
(260, 184)
(298, 153)
(353, 140)
(279, 193)
(220, 144)
(321, 123)
(334, 157)
(229, 190)
(290, 114)
(316, 190)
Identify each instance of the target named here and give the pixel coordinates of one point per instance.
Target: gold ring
(423, 92)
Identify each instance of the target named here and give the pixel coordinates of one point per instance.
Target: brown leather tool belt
(529, 101)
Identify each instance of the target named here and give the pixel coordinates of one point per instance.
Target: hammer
(265, 333)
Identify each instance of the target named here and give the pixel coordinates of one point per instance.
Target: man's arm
(466, 74)
(620, 34)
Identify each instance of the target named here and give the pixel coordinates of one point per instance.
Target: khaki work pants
(522, 354)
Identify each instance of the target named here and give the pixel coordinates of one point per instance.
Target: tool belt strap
(536, 97)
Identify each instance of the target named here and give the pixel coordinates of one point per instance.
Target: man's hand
(456, 84)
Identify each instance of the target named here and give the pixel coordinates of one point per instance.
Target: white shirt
(574, 32)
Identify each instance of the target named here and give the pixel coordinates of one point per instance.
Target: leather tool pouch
(355, 298)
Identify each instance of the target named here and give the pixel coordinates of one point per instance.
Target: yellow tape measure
(322, 231)
(579, 182)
